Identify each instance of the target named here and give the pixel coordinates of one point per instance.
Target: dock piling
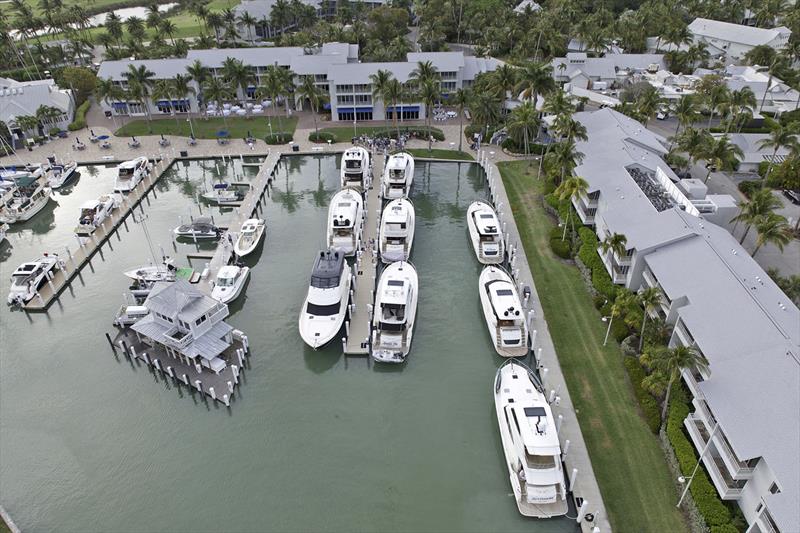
(185, 379)
(583, 508)
(226, 400)
(560, 420)
(572, 478)
(198, 385)
(566, 449)
(230, 386)
(212, 393)
(235, 370)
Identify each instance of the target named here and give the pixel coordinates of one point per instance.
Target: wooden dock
(366, 268)
(74, 261)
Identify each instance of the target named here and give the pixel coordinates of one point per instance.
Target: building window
(773, 489)
(251, 92)
(344, 99)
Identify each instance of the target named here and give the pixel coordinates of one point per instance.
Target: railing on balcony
(728, 488)
(178, 338)
(766, 523)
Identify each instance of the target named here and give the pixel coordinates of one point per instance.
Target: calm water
(313, 441)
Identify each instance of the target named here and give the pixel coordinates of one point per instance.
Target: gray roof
(605, 67)
(443, 61)
(257, 57)
(162, 68)
(259, 9)
(18, 98)
(749, 143)
(211, 344)
(478, 65)
(735, 33)
(181, 297)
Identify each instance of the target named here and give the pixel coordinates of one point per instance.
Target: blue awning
(403, 108)
(352, 110)
(345, 109)
(326, 106)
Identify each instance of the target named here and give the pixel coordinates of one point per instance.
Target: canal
(314, 441)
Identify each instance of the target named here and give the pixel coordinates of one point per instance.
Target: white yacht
(144, 278)
(224, 194)
(229, 283)
(397, 176)
(356, 170)
(503, 311)
(28, 196)
(396, 231)
(394, 312)
(201, 228)
(130, 173)
(28, 278)
(249, 236)
(59, 174)
(94, 212)
(345, 221)
(485, 233)
(130, 314)
(325, 306)
(530, 442)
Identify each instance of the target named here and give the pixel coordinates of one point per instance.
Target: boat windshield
(126, 173)
(392, 326)
(540, 462)
(395, 226)
(394, 312)
(323, 310)
(226, 282)
(352, 164)
(321, 282)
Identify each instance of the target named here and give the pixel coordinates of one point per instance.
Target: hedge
(533, 148)
(322, 137)
(790, 116)
(80, 117)
(590, 258)
(748, 187)
(278, 138)
(648, 404)
(560, 247)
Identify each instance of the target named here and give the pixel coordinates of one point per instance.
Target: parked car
(793, 196)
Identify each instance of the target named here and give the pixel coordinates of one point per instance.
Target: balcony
(691, 380)
(736, 468)
(619, 274)
(585, 213)
(728, 488)
(765, 522)
(177, 338)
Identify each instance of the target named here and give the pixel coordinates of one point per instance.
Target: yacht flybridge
(530, 442)
(356, 170)
(325, 305)
(398, 175)
(394, 313)
(130, 173)
(397, 231)
(28, 278)
(345, 221)
(485, 233)
(24, 199)
(503, 312)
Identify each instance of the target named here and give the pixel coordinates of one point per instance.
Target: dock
(85, 248)
(366, 268)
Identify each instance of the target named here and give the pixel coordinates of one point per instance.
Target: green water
(312, 442)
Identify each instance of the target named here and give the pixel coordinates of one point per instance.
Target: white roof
(605, 68)
(19, 98)
(256, 57)
(162, 68)
(736, 33)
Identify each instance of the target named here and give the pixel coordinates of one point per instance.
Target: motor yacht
(224, 194)
(325, 306)
(130, 173)
(58, 174)
(485, 233)
(345, 221)
(396, 233)
(20, 203)
(249, 236)
(356, 170)
(398, 175)
(143, 278)
(530, 442)
(394, 312)
(29, 277)
(503, 312)
(201, 228)
(130, 314)
(229, 283)
(94, 212)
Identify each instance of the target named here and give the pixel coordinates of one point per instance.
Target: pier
(366, 268)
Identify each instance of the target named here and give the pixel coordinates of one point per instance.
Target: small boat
(130, 314)
(325, 306)
(59, 174)
(249, 236)
(356, 170)
(28, 278)
(224, 194)
(20, 203)
(130, 173)
(145, 277)
(530, 442)
(94, 212)
(485, 234)
(229, 283)
(503, 312)
(396, 231)
(200, 228)
(394, 313)
(345, 221)
(397, 176)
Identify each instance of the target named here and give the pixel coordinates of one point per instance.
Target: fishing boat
(249, 236)
(530, 442)
(394, 313)
(345, 221)
(29, 277)
(396, 233)
(356, 170)
(94, 212)
(58, 174)
(201, 228)
(505, 317)
(325, 306)
(485, 234)
(143, 278)
(398, 175)
(229, 283)
(130, 173)
(27, 197)
(130, 314)
(224, 194)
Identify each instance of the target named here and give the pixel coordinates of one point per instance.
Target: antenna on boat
(141, 218)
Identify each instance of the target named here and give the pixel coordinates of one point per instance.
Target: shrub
(790, 116)
(762, 168)
(748, 187)
(599, 301)
(80, 117)
(648, 404)
(278, 138)
(560, 248)
(533, 148)
(472, 129)
(54, 131)
(322, 137)
(725, 528)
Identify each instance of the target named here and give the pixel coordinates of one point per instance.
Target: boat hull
(316, 332)
(242, 249)
(475, 237)
(32, 210)
(489, 273)
(225, 296)
(67, 174)
(385, 348)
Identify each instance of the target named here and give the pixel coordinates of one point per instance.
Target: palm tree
(215, 22)
(721, 154)
(429, 94)
(614, 244)
(648, 103)
(135, 27)
(286, 81)
(217, 90)
(623, 301)
(535, 78)
(139, 94)
(566, 156)
(780, 136)
(772, 228)
(522, 125)
(649, 299)
(571, 189)
(248, 21)
(237, 74)
(742, 102)
(309, 91)
(394, 93)
(140, 81)
(181, 84)
(762, 203)
(425, 71)
(273, 87)
(199, 74)
(717, 97)
(168, 28)
(461, 99)
(503, 80)
(687, 111)
(485, 108)
(108, 91)
(163, 91)
(670, 362)
(380, 80)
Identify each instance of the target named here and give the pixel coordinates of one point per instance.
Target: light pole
(688, 480)
(610, 320)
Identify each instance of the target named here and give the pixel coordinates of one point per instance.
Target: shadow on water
(43, 222)
(69, 187)
(320, 361)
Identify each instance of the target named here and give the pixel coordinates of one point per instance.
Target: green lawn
(629, 464)
(346, 133)
(438, 153)
(207, 129)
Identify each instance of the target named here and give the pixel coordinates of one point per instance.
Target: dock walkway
(359, 320)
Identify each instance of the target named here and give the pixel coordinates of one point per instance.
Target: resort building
(772, 94)
(600, 73)
(188, 325)
(745, 422)
(732, 41)
(24, 98)
(753, 154)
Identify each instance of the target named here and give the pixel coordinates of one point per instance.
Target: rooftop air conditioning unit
(652, 68)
